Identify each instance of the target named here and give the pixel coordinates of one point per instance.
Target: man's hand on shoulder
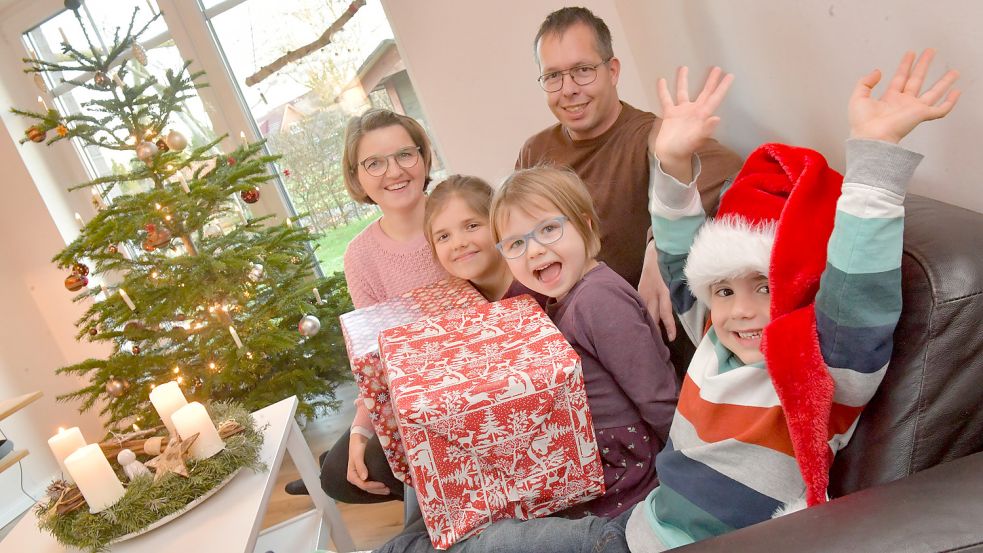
(654, 292)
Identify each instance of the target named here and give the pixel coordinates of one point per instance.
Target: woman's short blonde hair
(371, 120)
(547, 188)
(475, 192)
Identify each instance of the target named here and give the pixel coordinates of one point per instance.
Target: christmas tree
(176, 295)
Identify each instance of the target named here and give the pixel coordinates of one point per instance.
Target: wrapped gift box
(492, 410)
(361, 329)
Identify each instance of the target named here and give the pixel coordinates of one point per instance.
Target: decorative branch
(305, 51)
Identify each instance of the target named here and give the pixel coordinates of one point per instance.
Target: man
(608, 143)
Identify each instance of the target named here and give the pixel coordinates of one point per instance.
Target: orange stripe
(714, 422)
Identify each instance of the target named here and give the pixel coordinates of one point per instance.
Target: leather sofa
(911, 479)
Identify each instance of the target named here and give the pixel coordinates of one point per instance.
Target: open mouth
(749, 334)
(577, 109)
(397, 186)
(549, 273)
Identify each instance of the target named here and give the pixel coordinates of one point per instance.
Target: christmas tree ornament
(162, 145)
(36, 134)
(102, 80)
(80, 269)
(256, 272)
(176, 141)
(62, 130)
(230, 161)
(116, 387)
(113, 249)
(138, 53)
(309, 325)
(156, 237)
(75, 282)
(93, 331)
(131, 467)
(250, 196)
(173, 459)
(135, 350)
(146, 150)
(73, 5)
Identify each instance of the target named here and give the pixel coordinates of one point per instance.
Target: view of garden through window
(302, 109)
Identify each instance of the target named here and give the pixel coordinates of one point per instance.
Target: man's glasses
(582, 75)
(546, 232)
(378, 165)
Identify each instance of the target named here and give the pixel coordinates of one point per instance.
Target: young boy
(800, 338)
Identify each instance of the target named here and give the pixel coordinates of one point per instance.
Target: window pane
(101, 21)
(302, 109)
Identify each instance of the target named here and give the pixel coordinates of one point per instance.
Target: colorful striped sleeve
(859, 299)
(677, 214)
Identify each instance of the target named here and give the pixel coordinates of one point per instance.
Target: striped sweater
(729, 461)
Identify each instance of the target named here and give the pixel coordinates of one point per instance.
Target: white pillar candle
(95, 478)
(167, 398)
(64, 37)
(318, 296)
(193, 419)
(63, 444)
(184, 182)
(235, 336)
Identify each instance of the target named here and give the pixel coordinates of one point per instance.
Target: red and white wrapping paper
(493, 415)
(361, 329)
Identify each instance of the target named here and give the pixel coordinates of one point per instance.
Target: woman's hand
(901, 108)
(358, 473)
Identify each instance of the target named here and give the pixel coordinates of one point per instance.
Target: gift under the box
(361, 330)
(492, 410)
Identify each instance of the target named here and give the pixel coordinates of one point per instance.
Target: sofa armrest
(935, 510)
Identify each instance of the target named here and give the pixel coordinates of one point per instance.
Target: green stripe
(877, 238)
(664, 503)
(726, 360)
(860, 300)
(676, 236)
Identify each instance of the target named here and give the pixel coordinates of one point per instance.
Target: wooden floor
(370, 525)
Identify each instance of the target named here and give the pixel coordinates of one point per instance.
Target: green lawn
(331, 246)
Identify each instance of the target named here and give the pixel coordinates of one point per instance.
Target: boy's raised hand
(687, 124)
(902, 106)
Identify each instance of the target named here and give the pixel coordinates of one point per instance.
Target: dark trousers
(334, 474)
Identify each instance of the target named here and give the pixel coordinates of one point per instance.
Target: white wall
(795, 63)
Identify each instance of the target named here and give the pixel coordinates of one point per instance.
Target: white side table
(230, 520)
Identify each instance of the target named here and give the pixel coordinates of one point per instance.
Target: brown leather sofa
(911, 479)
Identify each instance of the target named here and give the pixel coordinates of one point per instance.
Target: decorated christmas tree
(229, 311)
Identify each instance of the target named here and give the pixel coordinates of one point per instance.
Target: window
(302, 109)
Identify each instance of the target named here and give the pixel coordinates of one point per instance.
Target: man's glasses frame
(583, 75)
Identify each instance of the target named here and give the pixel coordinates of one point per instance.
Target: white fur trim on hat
(728, 247)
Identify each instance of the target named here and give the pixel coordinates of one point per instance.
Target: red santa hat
(776, 220)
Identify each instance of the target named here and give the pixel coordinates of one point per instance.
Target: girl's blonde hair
(546, 188)
(475, 192)
(371, 120)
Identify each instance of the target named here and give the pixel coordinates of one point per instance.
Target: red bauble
(36, 134)
(80, 269)
(113, 249)
(250, 196)
(135, 350)
(75, 282)
(156, 238)
(93, 331)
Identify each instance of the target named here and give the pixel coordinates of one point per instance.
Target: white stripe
(854, 388)
(748, 386)
(870, 202)
(764, 470)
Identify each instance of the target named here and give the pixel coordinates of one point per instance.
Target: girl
(386, 162)
(455, 223)
(547, 227)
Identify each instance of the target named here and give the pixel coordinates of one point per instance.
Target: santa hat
(776, 220)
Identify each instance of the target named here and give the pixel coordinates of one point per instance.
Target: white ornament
(256, 273)
(176, 141)
(131, 467)
(309, 325)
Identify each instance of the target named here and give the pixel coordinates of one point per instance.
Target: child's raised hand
(901, 108)
(687, 124)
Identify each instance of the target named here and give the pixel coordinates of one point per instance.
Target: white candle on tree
(167, 398)
(95, 478)
(63, 444)
(193, 419)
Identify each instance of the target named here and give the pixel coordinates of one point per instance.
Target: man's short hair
(559, 21)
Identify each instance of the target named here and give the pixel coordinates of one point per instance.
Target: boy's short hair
(475, 192)
(371, 120)
(547, 188)
(559, 21)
